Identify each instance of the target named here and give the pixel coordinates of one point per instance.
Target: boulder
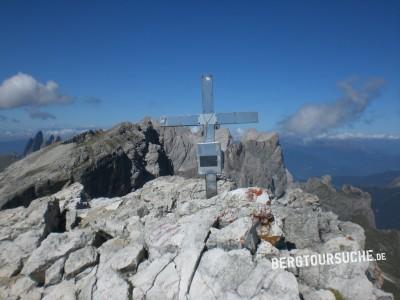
(55, 246)
(79, 260)
(241, 233)
(55, 272)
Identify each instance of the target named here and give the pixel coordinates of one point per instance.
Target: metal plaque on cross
(209, 155)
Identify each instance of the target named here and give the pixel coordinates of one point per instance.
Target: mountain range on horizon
(338, 157)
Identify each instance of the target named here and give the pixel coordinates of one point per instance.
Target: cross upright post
(209, 160)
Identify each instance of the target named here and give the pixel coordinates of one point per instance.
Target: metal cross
(209, 162)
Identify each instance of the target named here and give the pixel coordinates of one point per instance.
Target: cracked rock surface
(166, 241)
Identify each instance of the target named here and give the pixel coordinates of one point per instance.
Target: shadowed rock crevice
(109, 177)
(100, 237)
(25, 197)
(54, 219)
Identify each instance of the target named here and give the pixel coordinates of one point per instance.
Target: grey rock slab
(79, 260)
(166, 285)
(65, 290)
(23, 287)
(56, 245)
(85, 284)
(239, 234)
(43, 215)
(266, 250)
(234, 275)
(186, 238)
(128, 258)
(111, 286)
(70, 197)
(144, 279)
(301, 227)
(114, 256)
(71, 219)
(220, 272)
(319, 295)
(55, 272)
(11, 256)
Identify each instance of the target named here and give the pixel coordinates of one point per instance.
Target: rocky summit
(122, 214)
(165, 240)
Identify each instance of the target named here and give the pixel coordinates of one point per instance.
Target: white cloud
(23, 90)
(314, 119)
(358, 135)
(64, 132)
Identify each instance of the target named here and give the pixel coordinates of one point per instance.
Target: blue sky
(121, 60)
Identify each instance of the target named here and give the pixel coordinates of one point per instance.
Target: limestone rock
(79, 260)
(254, 161)
(257, 161)
(55, 272)
(24, 287)
(56, 245)
(167, 241)
(266, 250)
(112, 286)
(239, 234)
(65, 290)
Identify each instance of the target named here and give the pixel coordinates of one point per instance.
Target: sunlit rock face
(254, 160)
(165, 240)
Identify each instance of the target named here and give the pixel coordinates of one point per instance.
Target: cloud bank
(315, 119)
(22, 90)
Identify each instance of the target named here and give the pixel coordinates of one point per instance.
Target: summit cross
(209, 158)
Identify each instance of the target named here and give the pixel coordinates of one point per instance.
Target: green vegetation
(338, 296)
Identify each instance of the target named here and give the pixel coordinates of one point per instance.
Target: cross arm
(187, 120)
(237, 117)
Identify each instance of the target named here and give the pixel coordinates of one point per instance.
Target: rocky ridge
(110, 163)
(120, 160)
(166, 241)
(350, 203)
